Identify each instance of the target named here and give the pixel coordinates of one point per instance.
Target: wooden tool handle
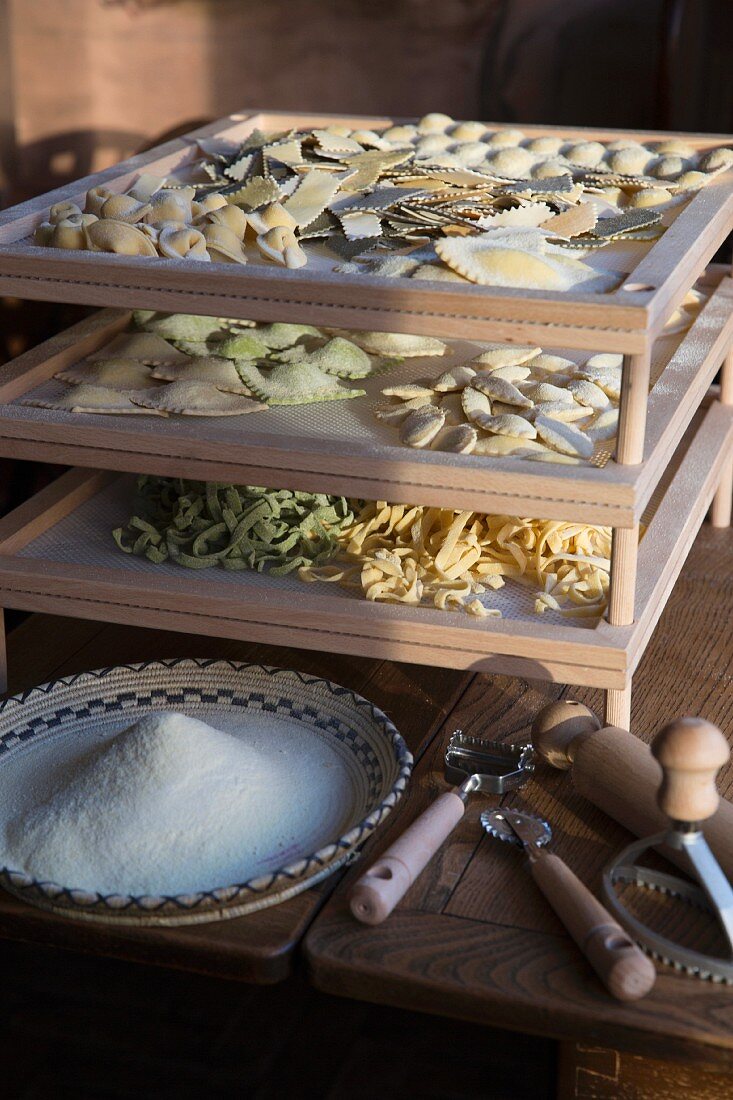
(388, 879)
(625, 971)
(558, 730)
(691, 752)
(617, 772)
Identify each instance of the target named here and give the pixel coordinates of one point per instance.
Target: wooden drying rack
(627, 320)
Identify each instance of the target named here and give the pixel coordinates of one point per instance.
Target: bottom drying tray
(57, 555)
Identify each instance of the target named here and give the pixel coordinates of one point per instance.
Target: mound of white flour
(167, 806)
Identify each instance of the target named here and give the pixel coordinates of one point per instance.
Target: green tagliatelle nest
(202, 524)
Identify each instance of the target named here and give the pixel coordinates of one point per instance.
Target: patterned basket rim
(19, 882)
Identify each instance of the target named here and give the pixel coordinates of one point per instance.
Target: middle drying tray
(340, 447)
(57, 555)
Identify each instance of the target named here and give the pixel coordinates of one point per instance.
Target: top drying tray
(658, 274)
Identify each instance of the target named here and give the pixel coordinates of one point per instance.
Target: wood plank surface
(48, 507)
(358, 463)
(678, 392)
(497, 488)
(676, 522)
(258, 947)
(473, 938)
(588, 1072)
(281, 616)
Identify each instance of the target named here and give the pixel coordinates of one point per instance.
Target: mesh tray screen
(84, 539)
(350, 422)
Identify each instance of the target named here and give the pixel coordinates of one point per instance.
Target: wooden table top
(473, 939)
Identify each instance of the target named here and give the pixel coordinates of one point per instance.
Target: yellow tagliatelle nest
(414, 555)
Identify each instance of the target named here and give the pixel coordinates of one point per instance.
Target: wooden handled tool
(690, 751)
(622, 967)
(388, 879)
(619, 773)
(477, 766)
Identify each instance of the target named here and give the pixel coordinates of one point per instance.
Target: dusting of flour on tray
(167, 806)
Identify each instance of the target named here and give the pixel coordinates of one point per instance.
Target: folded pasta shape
(224, 245)
(182, 241)
(96, 198)
(107, 235)
(232, 217)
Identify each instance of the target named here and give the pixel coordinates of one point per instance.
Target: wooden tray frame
(604, 656)
(626, 320)
(615, 495)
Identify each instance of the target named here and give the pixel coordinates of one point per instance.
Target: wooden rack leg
(621, 599)
(720, 513)
(629, 451)
(625, 540)
(617, 707)
(624, 556)
(633, 408)
(3, 655)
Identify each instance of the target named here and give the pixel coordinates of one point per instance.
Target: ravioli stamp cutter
(473, 765)
(690, 751)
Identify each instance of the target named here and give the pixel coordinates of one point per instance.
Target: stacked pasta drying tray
(673, 452)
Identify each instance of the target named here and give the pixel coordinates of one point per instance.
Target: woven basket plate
(350, 770)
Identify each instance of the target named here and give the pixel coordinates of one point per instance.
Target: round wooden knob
(691, 751)
(557, 726)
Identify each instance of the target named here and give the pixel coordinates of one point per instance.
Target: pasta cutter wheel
(690, 751)
(497, 823)
(618, 962)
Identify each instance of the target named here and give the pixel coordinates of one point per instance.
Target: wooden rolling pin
(618, 773)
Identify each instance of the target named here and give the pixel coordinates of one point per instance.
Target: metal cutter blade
(500, 767)
(625, 870)
(522, 829)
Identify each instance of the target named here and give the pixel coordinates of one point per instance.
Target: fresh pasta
(203, 524)
(415, 555)
(390, 553)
